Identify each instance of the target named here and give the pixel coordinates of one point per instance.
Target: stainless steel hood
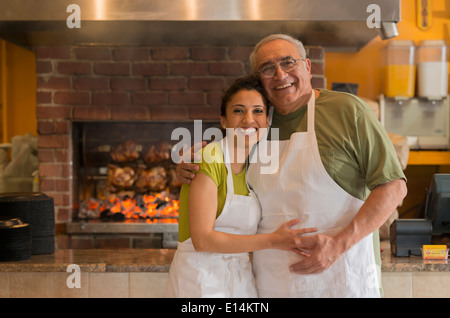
(334, 24)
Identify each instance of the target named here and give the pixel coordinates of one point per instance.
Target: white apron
(201, 274)
(300, 187)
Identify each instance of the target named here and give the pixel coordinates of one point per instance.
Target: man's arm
(325, 249)
(184, 169)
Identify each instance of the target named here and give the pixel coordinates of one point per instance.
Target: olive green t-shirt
(213, 166)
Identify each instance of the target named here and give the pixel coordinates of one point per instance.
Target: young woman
(219, 215)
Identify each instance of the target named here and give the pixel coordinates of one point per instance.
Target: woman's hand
(284, 238)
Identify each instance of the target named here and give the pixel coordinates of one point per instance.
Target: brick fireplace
(132, 84)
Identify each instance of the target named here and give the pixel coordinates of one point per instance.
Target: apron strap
(255, 146)
(226, 159)
(310, 111)
(270, 116)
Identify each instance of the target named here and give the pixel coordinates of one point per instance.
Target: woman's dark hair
(249, 83)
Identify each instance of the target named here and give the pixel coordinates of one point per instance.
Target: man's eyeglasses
(286, 65)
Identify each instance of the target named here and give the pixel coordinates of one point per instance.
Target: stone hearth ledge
(159, 260)
(96, 260)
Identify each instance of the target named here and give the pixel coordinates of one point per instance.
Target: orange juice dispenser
(399, 69)
(423, 117)
(432, 69)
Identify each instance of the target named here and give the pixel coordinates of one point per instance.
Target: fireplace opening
(124, 176)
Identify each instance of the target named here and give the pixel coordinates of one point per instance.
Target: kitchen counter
(391, 263)
(158, 260)
(143, 273)
(96, 260)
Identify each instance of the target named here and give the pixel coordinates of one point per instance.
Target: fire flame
(153, 208)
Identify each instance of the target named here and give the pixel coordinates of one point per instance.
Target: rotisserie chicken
(120, 178)
(125, 152)
(154, 179)
(158, 152)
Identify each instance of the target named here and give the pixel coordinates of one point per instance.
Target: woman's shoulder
(212, 153)
(212, 163)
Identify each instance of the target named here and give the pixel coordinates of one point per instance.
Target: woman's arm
(202, 216)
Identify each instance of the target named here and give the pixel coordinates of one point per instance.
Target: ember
(160, 208)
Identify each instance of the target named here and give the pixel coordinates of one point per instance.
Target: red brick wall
(127, 83)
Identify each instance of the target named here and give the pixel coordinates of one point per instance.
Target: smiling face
(246, 114)
(288, 91)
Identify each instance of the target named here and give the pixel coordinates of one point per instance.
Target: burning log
(155, 208)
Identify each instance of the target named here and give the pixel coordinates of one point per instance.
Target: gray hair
(273, 37)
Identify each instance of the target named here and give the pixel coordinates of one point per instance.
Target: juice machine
(421, 115)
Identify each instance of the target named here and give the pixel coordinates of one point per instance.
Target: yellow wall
(18, 91)
(364, 66)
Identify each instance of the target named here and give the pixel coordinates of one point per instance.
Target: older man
(338, 172)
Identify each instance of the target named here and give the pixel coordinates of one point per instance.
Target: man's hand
(323, 251)
(184, 168)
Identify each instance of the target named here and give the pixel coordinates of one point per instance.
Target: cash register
(407, 236)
